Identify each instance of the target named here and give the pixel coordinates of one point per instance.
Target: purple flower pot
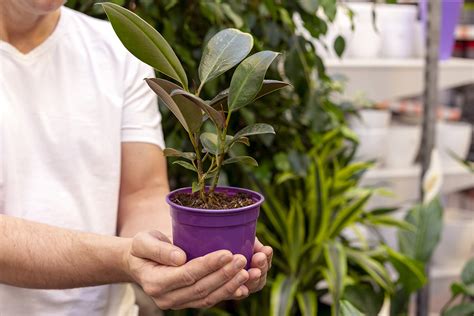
(200, 231)
(450, 12)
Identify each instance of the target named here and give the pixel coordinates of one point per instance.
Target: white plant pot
(370, 118)
(372, 144)
(403, 144)
(454, 137)
(364, 41)
(457, 238)
(397, 26)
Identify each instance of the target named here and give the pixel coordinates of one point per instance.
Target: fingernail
(239, 262)
(223, 259)
(241, 278)
(259, 273)
(262, 264)
(176, 257)
(238, 293)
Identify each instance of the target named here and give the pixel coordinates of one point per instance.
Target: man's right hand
(161, 270)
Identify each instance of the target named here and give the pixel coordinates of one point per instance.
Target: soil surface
(216, 200)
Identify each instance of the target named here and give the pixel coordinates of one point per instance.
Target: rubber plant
(204, 201)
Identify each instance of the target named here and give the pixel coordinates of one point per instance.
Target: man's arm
(35, 255)
(143, 188)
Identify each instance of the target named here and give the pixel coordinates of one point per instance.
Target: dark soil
(216, 200)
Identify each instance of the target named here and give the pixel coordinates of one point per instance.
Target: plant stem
(200, 175)
(221, 154)
(199, 89)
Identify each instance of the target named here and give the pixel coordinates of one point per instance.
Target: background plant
(463, 290)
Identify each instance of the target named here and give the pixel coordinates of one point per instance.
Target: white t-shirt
(65, 108)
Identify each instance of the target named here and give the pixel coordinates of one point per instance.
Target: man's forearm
(35, 255)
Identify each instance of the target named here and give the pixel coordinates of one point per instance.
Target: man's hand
(261, 263)
(160, 268)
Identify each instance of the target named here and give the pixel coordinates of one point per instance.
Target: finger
(267, 250)
(229, 290)
(210, 283)
(257, 245)
(259, 261)
(196, 269)
(241, 293)
(156, 247)
(254, 279)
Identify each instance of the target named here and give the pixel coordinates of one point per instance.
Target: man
(81, 149)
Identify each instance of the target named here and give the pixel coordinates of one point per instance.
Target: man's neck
(23, 29)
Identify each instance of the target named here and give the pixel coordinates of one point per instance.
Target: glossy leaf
(195, 187)
(171, 104)
(248, 78)
(283, 293)
(191, 113)
(268, 86)
(216, 117)
(223, 51)
(171, 152)
(310, 6)
(365, 298)
(467, 274)
(255, 129)
(185, 164)
(308, 303)
(339, 45)
(210, 142)
(464, 309)
(144, 42)
(246, 160)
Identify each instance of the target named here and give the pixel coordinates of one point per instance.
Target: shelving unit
(387, 79)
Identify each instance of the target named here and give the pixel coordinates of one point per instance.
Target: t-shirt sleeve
(141, 119)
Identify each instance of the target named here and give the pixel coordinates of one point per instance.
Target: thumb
(156, 247)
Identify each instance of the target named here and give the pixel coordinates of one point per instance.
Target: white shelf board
(387, 79)
(404, 183)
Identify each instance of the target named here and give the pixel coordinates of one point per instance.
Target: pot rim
(261, 199)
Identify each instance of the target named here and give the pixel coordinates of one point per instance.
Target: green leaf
(347, 309)
(246, 160)
(182, 116)
(171, 152)
(364, 297)
(255, 129)
(349, 214)
(461, 288)
(190, 112)
(210, 142)
(195, 187)
(411, 272)
(248, 78)
(185, 164)
(464, 309)
(372, 267)
(282, 295)
(386, 220)
(223, 51)
(308, 303)
(144, 42)
(234, 17)
(216, 117)
(268, 86)
(339, 45)
(336, 272)
(420, 244)
(383, 210)
(467, 274)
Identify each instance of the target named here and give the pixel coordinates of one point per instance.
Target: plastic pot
(200, 231)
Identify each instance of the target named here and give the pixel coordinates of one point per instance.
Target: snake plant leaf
(210, 142)
(308, 303)
(185, 164)
(283, 294)
(246, 160)
(223, 51)
(248, 78)
(216, 117)
(169, 102)
(191, 113)
(171, 152)
(144, 42)
(268, 86)
(337, 270)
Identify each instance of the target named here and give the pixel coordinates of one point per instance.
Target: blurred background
(347, 150)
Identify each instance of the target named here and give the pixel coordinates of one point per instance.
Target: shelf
(404, 183)
(387, 79)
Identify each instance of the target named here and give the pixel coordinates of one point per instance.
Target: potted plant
(206, 217)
